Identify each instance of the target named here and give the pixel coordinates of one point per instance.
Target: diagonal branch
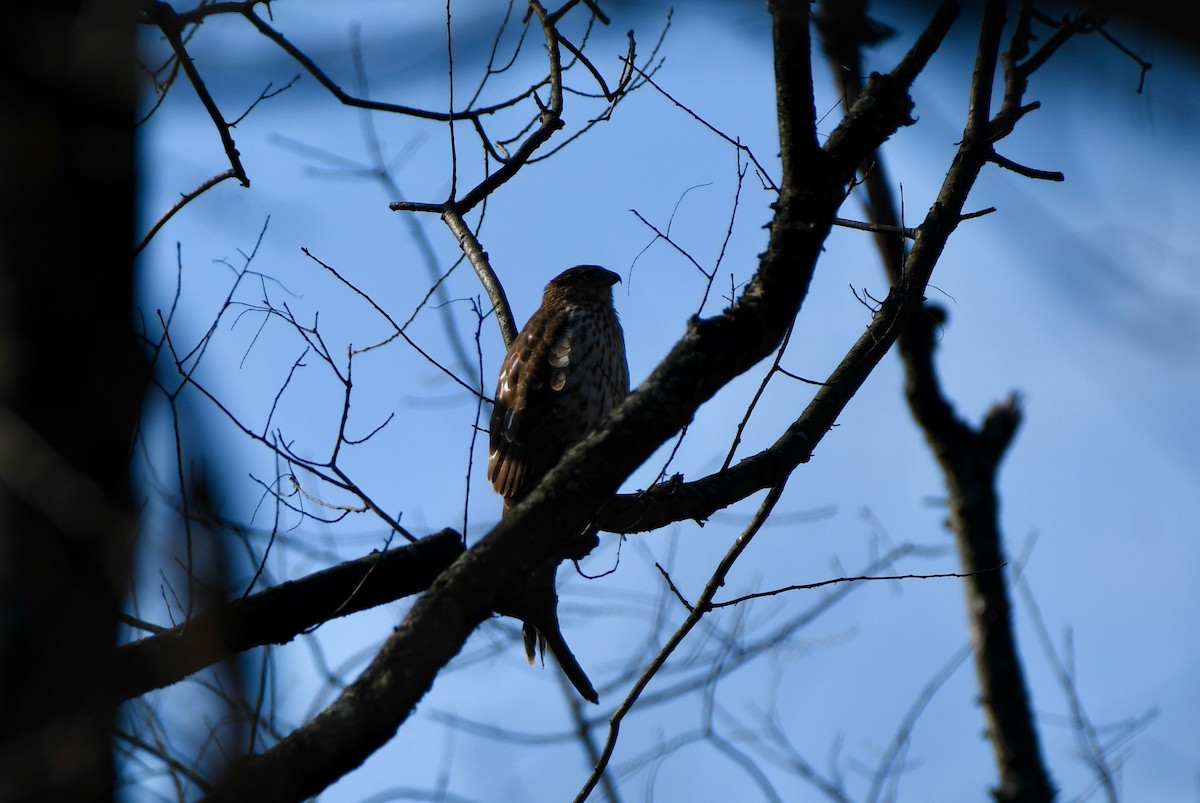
(168, 21)
(704, 604)
(280, 613)
(183, 201)
(473, 250)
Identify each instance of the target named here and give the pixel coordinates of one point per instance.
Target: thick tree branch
(1023, 170)
(279, 614)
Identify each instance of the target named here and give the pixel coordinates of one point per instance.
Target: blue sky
(1080, 296)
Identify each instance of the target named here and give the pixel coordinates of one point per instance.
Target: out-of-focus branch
(67, 509)
(969, 457)
(970, 460)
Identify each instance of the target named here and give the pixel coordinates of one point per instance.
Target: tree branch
(279, 614)
(550, 122)
(970, 459)
(478, 258)
(183, 201)
(168, 21)
(704, 604)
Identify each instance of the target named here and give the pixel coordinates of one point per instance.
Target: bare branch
(170, 23)
(280, 613)
(878, 228)
(483, 269)
(695, 614)
(183, 201)
(1022, 170)
(835, 580)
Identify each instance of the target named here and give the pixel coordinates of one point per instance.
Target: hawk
(563, 374)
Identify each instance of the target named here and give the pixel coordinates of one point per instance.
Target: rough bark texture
(280, 613)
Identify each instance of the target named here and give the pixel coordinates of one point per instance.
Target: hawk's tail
(549, 636)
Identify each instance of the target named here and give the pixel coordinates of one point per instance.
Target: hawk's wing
(524, 444)
(562, 375)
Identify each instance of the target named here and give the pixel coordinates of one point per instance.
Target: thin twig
(878, 228)
(836, 580)
(183, 201)
(478, 258)
(702, 606)
(169, 22)
(731, 140)
(1022, 170)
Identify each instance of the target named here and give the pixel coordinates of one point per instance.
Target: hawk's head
(582, 284)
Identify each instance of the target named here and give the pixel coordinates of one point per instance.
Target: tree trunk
(71, 380)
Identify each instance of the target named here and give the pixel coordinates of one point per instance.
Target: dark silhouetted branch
(279, 614)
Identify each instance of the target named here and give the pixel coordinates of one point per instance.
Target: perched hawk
(563, 374)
